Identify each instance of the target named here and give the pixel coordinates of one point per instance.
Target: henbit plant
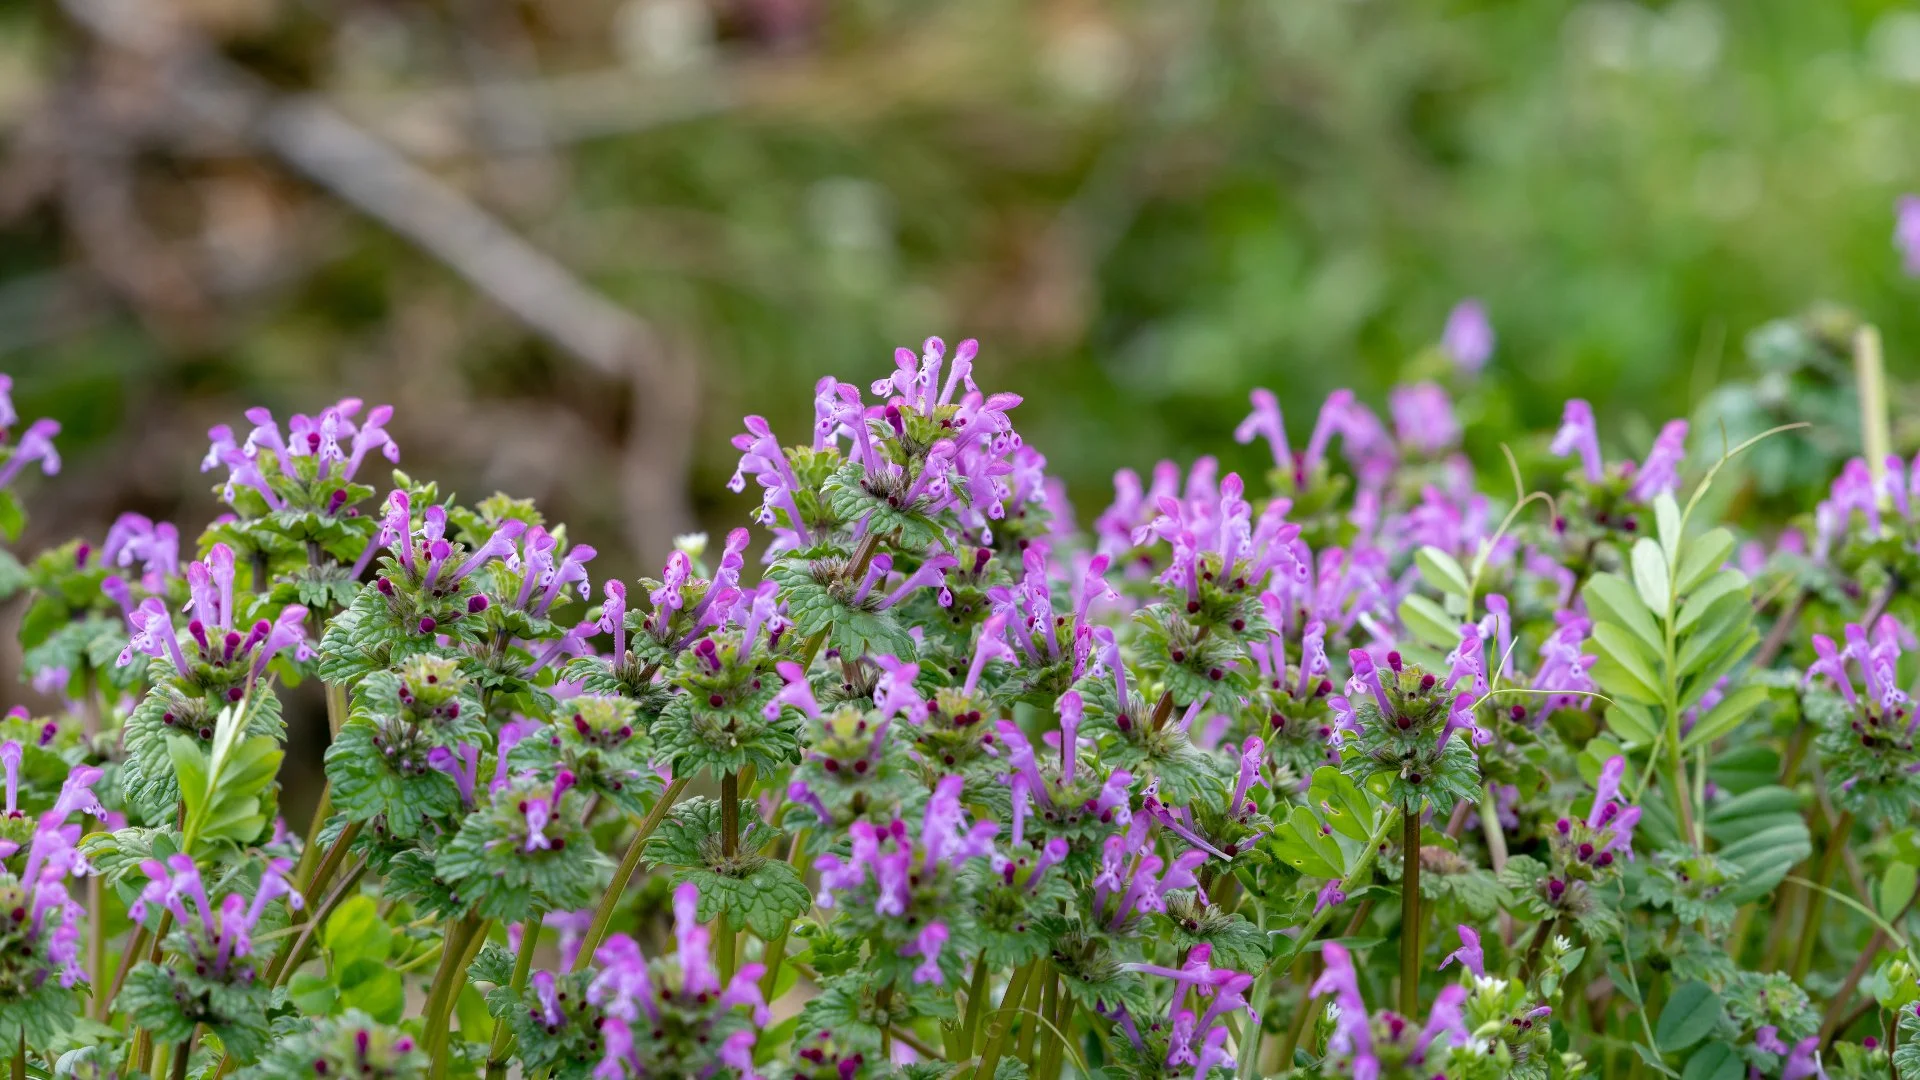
(956, 791)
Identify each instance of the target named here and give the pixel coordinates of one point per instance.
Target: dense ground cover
(1351, 768)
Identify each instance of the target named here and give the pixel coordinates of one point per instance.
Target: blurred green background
(1141, 209)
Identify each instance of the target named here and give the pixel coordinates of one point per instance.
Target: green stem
(1049, 1005)
(729, 815)
(447, 982)
(289, 961)
(310, 849)
(1410, 912)
(1051, 1059)
(1869, 371)
(127, 960)
(976, 994)
(1541, 936)
(20, 1057)
(725, 941)
(776, 953)
(1490, 828)
(603, 915)
(1301, 1013)
(1817, 898)
(97, 938)
(1003, 1022)
(522, 970)
(311, 893)
(1029, 1012)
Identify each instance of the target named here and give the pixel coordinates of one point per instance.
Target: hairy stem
(976, 994)
(1042, 977)
(1003, 1022)
(730, 815)
(127, 960)
(180, 1055)
(463, 939)
(776, 953)
(603, 915)
(1541, 935)
(1410, 912)
(289, 961)
(1049, 1006)
(522, 970)
(1496, 837)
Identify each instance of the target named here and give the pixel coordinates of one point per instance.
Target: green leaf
(1666, 516)
(1623, 985)
(765, 900)
(1691, 1014)
(1764, 833)
(373, 986)
(1621, 650)
(1441, 571)
(12, 517)
(1612, 600)
(355, 931)
(1704, 555)
(1299, 842)
(1724, 717)
(1429, 622)
(1633, 723)
(1714, 1061)
(1703, 598)
(1342, 803)
(1896, 889)
(1650, 575)
(313, 993)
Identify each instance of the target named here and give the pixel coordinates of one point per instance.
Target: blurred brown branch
(313, 138)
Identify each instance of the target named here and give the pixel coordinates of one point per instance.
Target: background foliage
(1141, 209)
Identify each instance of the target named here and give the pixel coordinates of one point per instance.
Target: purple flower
(613, 618)
(462, 764)
(1423, 418)
(1264, 422)
(1613, 821)
(1578, 435)
(894, 693)
(217, 941)
(1804, 1061)
(626, 992)
(1768, 1039)
(1469, 953)
(883, 862)
(137, 539)
(1468, 338)
(36, 444)
(1352, 1038)
(927, 946)
(762, 456)
(1659, 474)
(1906, 233)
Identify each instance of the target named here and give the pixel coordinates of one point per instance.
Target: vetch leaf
(1714, 1061)
(1650, 578)
(1666, 517)
(1612, 600)
(1441, 571)
(1429, 622)
(1691, 1014)
(1724, 717)
(1703, 555)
